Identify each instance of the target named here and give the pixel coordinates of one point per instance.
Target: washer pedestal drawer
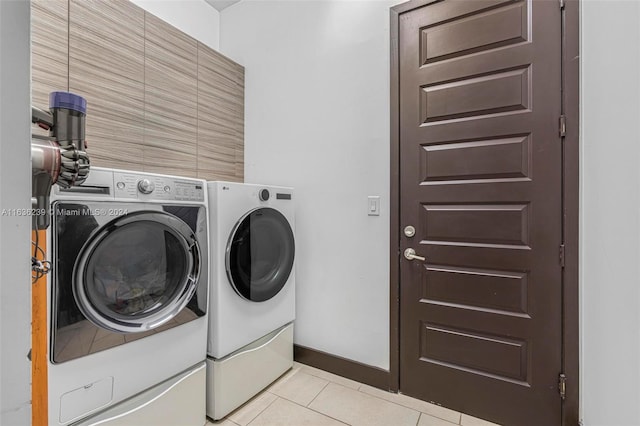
(177, 401)
(236, 378)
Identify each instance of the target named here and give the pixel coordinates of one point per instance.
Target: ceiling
(221, 4)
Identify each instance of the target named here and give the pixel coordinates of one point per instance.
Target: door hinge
(563, 125)
(562, 386)
(562, 255)
(561, 4)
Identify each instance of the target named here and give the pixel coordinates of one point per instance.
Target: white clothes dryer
(128, 297)
(252, 303)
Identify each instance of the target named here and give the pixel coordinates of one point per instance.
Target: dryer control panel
(152, 187)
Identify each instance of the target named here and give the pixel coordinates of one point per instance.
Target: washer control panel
(149, 187)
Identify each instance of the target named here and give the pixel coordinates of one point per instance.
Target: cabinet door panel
(220, 117)
(171, 98)
(49, 51)
(106, 65)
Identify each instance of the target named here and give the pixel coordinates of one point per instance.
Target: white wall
(15, 232)
(317, 119)
(194, 17)
(610, 227)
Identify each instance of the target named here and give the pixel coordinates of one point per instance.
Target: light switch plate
(373, 205)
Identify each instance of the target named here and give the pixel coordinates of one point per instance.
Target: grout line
(386, 400)
(290, 400)
(414, 409)
(265, 409)
(326, 415)
(314, 410)
(312, 371)
(361, 387)
(301, 369)
(268, 405)
(302, 406)
(261, 411)
(314, 398)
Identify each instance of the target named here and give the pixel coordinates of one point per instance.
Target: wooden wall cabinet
(171, 99)
(158, 100)
(50, 51)
(106, 66)
(220, 117)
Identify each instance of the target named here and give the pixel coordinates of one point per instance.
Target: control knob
(146, 186)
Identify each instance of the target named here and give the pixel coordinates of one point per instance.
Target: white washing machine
(252, 303)
(128, 300)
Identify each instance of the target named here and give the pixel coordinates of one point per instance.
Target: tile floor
(306, 396)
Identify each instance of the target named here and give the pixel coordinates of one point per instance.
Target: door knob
(410, 254)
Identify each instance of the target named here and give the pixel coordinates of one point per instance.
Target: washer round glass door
(137, 272)
(260, 253)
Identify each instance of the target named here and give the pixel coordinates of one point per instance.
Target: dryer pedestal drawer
(236, 378)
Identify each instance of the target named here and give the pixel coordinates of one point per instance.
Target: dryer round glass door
(137, 272)
(260, 253)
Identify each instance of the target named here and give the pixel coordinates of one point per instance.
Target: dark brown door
(480, 176)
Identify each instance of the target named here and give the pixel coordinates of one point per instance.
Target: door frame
(570, 201)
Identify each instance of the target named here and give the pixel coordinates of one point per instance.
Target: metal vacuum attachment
(61, 157)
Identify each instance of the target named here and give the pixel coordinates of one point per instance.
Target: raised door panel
(493, 94)
(483, 160)
(170, 99)
(220, 117)
(106, 65)
(488, 30)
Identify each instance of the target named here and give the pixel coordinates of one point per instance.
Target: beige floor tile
(416, 404)
(329, 376)
(286, 413)
(249, 411)
(427, 420)
(357, 408)
(286, 376)
(223, 422)
(468, 420)
(300, 387)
